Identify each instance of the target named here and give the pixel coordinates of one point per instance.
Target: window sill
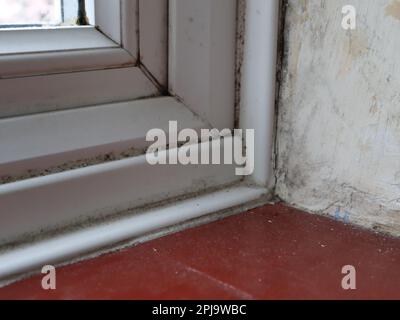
(102, 190)
(135, 227)
(41, 141)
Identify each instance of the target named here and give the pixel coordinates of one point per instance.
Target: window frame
(115, 52)
(30, 45)
(55, 195)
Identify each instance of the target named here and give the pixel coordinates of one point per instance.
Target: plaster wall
(338, 138)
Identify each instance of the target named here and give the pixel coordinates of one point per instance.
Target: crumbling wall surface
(338, 138)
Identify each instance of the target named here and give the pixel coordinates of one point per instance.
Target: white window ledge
(83, 242)
(45, 140)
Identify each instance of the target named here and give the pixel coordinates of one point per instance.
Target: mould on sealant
(71, 165)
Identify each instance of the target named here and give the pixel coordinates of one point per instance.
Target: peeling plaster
(338, 132)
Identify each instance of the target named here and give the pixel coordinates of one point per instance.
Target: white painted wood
(108, 18)
(31, 64)
(49, 139)
(154, 38)
(258, 82)
(61, 91)
(17, 41)
(202, 44)
(66, 198)
(78, 243)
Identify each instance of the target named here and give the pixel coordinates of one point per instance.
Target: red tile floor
(273, 252)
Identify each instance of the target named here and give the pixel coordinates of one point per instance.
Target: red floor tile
(272, 252)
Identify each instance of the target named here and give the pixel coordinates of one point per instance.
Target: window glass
(38, 13)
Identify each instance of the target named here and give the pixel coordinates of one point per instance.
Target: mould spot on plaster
(374, 107)
(358, 45)
(393, 10)
(300, 16)
(354, 48)
(294, 59)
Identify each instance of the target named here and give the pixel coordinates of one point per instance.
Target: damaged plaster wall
(338, 136)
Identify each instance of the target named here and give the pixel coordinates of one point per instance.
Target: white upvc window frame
(83, 57)
(112, 31)
(200, 97)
